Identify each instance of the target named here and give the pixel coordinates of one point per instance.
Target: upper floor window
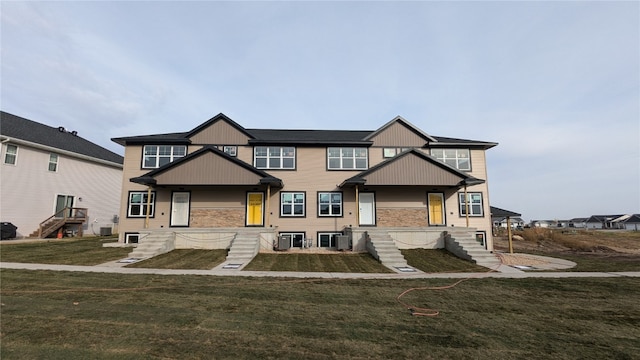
(292, 204)
(53, 162)
(392, 152)
(230, 150)
(156, 156)
(11, 154)
(274, 157)
(458, 158)
(347, 158)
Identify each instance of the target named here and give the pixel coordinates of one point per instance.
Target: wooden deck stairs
(62, 222)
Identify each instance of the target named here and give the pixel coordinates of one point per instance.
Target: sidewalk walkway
(320, 275)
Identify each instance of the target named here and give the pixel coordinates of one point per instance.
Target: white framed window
(458, 158)
(137, 206)
(392, 152)
(155, 156)
(328, 239)
(347, 158)
(297, 239)
(330, 204)
(230, 150)
(274, 157)
(131, 238)
(292, 204)
(11, 154)
(53, 162)
(475, 204)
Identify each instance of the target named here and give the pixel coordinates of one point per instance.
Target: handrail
(68, 213)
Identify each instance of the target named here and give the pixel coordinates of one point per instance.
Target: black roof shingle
(16, 127)
(287, 136)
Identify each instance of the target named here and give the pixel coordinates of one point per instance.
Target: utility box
(284, 242)
(105, 231)
(342, 242)
(8, 231)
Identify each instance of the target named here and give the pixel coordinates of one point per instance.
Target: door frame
(248, 205)
(444, 210)
(171, 217)
(373, 208)
(66, 203)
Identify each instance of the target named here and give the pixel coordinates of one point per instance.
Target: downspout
(146, 220)
(357, 206)
(268, 218)
(466, 204)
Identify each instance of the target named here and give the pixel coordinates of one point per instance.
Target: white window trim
(15, 155)
(457, 158)
(330, 203)
(143, 205)
(231, 150)
(332, 243)
(55, 163)
(281, 157)
(294, 233)
(341, 158)
(172, 157)
(462, 204)
(293, 203)
(129, 235)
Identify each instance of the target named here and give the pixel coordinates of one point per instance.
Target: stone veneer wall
(411, 217)
(204, 218)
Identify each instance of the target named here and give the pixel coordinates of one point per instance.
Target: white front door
(180, 208)
(367, 206)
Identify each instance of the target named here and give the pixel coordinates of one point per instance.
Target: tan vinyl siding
(208, 169)
(220, 133)
(311, 177)
(412, 170)
(398, 135)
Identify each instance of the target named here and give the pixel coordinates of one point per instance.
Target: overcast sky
(556, 84)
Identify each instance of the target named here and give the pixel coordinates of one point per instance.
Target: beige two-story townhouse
(219, 182)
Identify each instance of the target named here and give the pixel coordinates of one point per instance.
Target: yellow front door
(255, 206)
(436, 208)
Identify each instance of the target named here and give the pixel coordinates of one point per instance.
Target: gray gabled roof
(15, 127)
(633, 219)
(495, 211)
(300, 137)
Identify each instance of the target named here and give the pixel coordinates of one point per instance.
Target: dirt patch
(520, 259)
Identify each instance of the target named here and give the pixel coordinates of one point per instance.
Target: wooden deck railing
(65, 216)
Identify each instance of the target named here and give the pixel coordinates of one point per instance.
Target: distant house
(541, 223)
(499, 218)
(602, 221)
(578, 223)
(46, 170)
(632, 222)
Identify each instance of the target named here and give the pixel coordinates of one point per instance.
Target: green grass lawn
(72, 251)
(184, 259)
(347, 262)
(65, 315)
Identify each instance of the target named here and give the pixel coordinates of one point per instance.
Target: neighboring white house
(500, 217)
(632, 222)
(45, 169)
